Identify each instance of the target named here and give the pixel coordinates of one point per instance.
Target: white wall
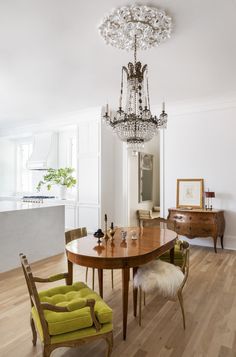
(7, 167)
(151, 147)
(108, 173)
(202, 144)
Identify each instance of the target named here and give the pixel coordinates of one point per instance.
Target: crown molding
(183, 108)
(27, 128)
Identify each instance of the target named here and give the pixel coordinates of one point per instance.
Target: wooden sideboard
(199, 223)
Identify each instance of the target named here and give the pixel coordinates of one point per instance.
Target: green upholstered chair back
(34, 297)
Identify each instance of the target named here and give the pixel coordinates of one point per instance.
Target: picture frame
(145, 177)
(189, 193)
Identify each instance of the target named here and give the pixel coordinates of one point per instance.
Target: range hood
(45, 152)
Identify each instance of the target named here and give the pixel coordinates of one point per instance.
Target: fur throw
(161, 276)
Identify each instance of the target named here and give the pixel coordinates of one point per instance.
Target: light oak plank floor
(210, 305)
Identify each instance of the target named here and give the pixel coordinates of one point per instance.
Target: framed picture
(189, 193)
(145, 177)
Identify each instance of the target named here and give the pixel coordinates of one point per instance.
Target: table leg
(125, 297)
(100, 282)
(69, 280)
(172, 255)
(135, 293)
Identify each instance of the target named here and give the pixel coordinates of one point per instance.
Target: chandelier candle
(131, 28)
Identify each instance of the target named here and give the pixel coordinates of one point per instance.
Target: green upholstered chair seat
(72, 297)
(80, 334)
(178, 256)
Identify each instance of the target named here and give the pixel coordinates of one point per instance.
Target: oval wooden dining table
(150, 243)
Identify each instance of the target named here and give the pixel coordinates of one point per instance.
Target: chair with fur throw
(165, 278)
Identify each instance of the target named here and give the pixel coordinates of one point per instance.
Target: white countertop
(6, 206)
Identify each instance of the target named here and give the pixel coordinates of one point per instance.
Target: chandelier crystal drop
(133, 122)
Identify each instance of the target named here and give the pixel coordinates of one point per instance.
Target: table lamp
(209, 195)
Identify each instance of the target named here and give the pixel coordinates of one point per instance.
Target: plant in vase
(62, 177)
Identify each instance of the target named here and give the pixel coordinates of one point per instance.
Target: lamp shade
(209, 194)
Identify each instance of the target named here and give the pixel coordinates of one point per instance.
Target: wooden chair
(184, 248)
(147, 216)
(66, 316)
(79, 233)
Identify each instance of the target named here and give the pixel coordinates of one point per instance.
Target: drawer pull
(178, 217)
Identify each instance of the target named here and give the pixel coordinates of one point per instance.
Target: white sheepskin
(161, 276)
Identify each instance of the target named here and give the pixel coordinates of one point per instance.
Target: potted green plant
(62, 177)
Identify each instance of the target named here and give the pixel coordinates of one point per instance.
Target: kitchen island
(35, 229)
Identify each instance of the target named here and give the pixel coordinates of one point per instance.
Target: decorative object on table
(189, 193)
(106, 234)
(74, 326)
(123, 235)
(99, 234)
(112, 232)
(145, 163)
(131, 28)
(62, 177)
(165, 278)
(209, 195)
(134, 235)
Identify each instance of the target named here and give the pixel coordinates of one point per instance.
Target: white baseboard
(229, 242)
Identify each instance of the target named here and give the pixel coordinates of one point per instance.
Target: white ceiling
(53, 60)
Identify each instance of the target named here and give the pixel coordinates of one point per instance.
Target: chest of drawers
(199, 223)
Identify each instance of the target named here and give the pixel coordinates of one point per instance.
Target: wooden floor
(210, 305)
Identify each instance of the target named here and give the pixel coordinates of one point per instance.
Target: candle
(145, 102)
(107, 108)
(112, 225)
(105, 217)
(163, 106)
(120, 101)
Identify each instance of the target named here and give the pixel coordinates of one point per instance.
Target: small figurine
(99, 234)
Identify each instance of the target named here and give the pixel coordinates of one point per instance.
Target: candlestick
(106, 235)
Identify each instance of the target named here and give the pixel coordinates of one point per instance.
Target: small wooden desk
(199, 223)
(151, 243)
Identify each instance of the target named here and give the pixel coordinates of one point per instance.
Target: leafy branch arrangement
(61, 176)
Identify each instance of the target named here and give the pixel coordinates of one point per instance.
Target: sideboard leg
(221, 241)
(215, 241)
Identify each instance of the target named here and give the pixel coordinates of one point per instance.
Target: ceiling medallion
(132, 28)
(151, 26)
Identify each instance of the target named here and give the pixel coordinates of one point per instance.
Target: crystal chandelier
(131, 28)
